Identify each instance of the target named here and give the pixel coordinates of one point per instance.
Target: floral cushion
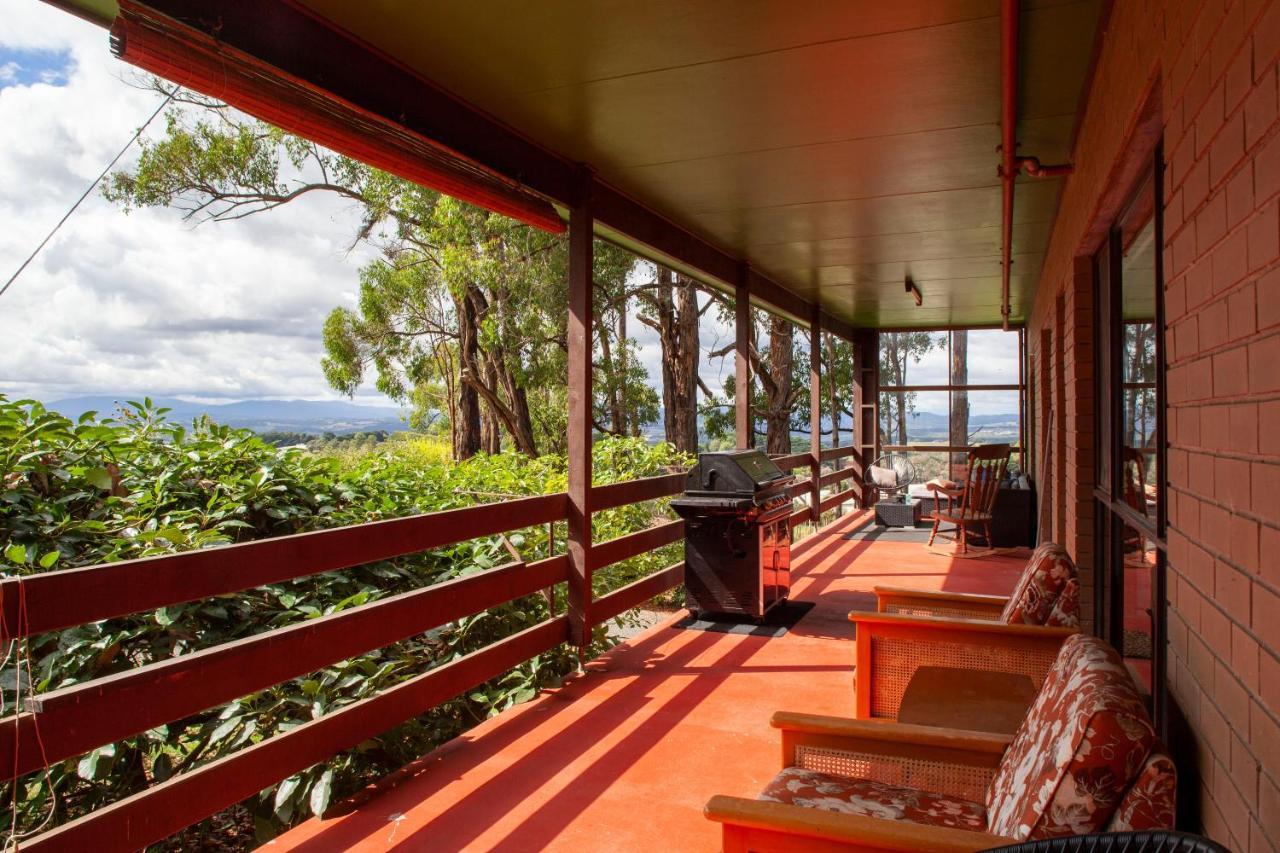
(1042, 581)
(1080, 747)
(1151, 801)
(811, 789)
(1066, 610)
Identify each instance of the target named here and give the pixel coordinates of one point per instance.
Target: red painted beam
(47, 602)
(133, 823)
(76, 719)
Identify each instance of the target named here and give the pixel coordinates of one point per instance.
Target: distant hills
(305, 416)
(317, 417)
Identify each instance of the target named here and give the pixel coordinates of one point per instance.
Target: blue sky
(25, 67)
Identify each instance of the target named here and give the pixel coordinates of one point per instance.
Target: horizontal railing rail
(70, 721)
(794, 460)
(838, 498)
(799, 488)
(831, 453)
(47, 602)
(150, 815)
(78, 718)
(634, 594)
(636, 491)
(634, 544)
(838, 475)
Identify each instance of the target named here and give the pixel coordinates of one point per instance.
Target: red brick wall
(1207, 68)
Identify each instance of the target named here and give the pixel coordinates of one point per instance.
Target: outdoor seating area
(1085, 759)
(566, 769)
(669, 719)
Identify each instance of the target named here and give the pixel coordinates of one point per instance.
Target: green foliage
(461, 303)
(81, 493)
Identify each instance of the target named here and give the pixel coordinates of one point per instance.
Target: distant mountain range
(305, 416)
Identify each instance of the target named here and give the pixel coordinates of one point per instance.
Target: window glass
(984, 357)
(1139, 474)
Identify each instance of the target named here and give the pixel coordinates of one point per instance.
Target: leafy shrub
(136, 485)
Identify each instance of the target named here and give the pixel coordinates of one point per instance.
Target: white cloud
(145, 302)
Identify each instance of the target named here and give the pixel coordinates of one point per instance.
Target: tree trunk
(465, 426)
(613, 389)
(678, 333)
(689, 356)
(492, 380)
(490, 426)
(959, 426)
(778, 396)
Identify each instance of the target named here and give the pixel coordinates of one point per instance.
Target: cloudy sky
(146, 303)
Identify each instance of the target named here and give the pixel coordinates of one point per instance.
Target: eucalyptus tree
(462, 316)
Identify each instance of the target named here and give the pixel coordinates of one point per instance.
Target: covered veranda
(1101, 176)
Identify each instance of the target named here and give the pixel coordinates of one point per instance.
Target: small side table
(897, 513)
(975, 700)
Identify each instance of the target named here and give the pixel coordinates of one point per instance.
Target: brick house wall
(1203, 75)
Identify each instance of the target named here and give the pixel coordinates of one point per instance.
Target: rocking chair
(971, 504)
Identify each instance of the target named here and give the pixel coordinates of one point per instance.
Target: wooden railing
(813, 485)
(72, 720)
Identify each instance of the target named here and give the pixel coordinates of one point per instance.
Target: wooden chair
(1135, 495)
(1084, 760)
(972, 503)
(1019, 634)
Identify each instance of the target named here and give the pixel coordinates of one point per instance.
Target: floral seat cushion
(1065, 612)
(811, 789)
(1081, 746)
(1151, 802)
(1043, 580)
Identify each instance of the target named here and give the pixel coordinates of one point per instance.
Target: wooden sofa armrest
(946, 761)
(763, 827)
(933, 624)
(984, 748)
(921, 602)
(891, 647)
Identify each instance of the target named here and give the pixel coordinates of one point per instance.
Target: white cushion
(885, 478)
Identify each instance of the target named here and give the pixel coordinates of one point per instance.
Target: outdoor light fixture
(915, 292)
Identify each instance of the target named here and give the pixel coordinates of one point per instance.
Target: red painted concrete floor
(624, 757)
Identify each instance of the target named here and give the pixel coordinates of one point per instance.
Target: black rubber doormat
(874, 533)
(779, 620)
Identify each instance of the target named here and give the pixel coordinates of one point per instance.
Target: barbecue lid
(739, 472)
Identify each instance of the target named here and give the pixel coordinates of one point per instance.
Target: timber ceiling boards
(838, 145)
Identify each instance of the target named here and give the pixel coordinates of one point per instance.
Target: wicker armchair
(1020, 633)
(897, 476)
(1084, 760)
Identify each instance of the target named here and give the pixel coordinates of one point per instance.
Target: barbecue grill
(737, 546)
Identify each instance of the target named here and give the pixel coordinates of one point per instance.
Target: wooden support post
(743, 424)
(866, 405)
(815, 415)
(579, 427)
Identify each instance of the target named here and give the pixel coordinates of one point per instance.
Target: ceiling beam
(303, 45)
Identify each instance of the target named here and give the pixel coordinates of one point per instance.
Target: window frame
(1112, 515)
